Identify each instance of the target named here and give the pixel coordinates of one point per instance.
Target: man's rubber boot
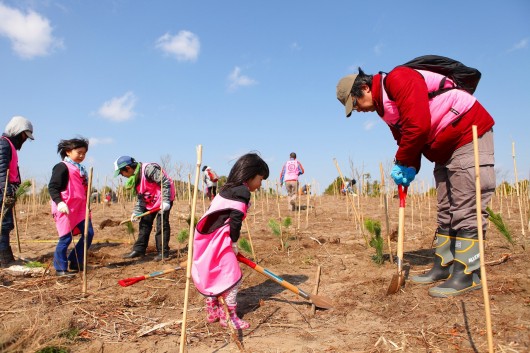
(443, 258)
(465, 275)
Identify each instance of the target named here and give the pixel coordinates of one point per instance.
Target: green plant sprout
(497, 220)
(244, 245)
(376, 242)
(281, 234)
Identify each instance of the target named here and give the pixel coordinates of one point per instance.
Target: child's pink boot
(212, 309)
(238, 323)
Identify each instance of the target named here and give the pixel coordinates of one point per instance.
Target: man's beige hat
(343, 92)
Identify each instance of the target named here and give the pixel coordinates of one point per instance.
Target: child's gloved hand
(234, 247)
(63, 208)
(134, 217)
(403, 175)
(165, 206)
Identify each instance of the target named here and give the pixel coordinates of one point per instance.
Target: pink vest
(14, 177)
(75, 197)
(215, 268)
(291, 170)
(445, 108)
(151, 191)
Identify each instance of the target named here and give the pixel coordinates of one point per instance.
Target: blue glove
(403, 175)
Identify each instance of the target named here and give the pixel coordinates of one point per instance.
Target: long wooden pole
(481, 242)
(190, 250)
(387, 218)
(517, 189)
(87, 220)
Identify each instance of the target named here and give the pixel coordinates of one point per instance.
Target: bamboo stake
(230, 324)
(87, 219)
(352, 201)
(161, 213)
(190, 250)
(16, 231)
(387, 218)
(308, 199)
(4, 200)
(481, 243)
(517, 188)
(251, 244)
(315, 289)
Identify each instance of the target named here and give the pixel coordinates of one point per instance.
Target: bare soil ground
(44, 311)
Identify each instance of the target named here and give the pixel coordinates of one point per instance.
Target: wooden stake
(481, 242)
(190, 250)
(229, 324)
(87, 219)
(315, 289)
(387, 218)
(517, 189)
(250, 239)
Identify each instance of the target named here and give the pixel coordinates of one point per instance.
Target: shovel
(399, 279)
(317, 300)
(141, 215)
(126, 282)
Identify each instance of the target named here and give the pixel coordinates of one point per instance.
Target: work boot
(159, 256)
(443, 259)
(212, 309)
(465, 274)
(133, 254)
(237, 323)
(6, 257)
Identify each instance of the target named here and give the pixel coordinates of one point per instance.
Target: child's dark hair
(68, 145)
(245, 168)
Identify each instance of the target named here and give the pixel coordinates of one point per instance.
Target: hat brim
(348, 106)
(29, 134)
(117, 172)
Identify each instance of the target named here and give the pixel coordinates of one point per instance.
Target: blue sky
(157, 78)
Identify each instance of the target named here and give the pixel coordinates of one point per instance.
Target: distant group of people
(437, 127)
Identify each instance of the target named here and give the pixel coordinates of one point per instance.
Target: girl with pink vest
(215, 269)
(68, 191)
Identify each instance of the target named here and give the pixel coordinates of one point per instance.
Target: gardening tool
(126, 282)
(399, 279)
(141, 215)
(317, 300)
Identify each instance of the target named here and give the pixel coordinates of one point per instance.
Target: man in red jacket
(440, 128)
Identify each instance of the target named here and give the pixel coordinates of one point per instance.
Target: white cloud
(378, 49)
(94, 141)
(295, 46)
(119, 108)
(522, 44)
(30, 33)
(184, 46)
(369, 125)
(236, 79)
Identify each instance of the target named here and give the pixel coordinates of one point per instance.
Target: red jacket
(408, 89)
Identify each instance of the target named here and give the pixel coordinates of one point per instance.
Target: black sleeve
(242, 194)
(58, 182)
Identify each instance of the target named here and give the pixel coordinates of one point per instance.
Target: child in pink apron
(68, 191)
(215, 270)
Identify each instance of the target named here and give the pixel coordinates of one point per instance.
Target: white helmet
(19, 124)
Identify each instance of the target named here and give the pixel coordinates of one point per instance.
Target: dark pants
(76, 258)
(145, 227)
(212, 191)
(7, 226)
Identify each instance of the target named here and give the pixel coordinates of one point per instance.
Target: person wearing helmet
(16, 132)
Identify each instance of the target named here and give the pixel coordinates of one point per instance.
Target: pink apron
(215, 268)
(75, 197)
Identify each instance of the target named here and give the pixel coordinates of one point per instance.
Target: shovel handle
(402, 195)
(130, 281)
(141, 215)
(273, 276)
